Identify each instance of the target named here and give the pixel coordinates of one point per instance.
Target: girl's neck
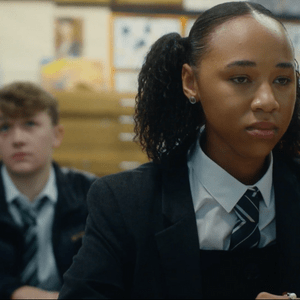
(248, 171)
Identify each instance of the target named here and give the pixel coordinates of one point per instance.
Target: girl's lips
(262, 133)
(262, 130)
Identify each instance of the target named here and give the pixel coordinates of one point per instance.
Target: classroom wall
(26, 37)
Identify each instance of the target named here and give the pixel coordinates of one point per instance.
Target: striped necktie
(29, 274)
(245, 233)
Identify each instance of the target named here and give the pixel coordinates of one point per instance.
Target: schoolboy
(34, 254)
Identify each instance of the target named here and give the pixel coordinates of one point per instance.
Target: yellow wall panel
(149, 2)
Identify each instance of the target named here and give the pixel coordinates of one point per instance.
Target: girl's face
(246, 84)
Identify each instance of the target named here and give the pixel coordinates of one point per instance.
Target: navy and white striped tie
(29, 274)
(245, 233)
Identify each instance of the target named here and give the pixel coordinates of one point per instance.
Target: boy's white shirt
(47, 273)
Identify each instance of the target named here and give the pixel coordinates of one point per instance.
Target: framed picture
(68, 37)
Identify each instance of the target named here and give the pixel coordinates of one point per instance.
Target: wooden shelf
(101, 162)
(98, 132)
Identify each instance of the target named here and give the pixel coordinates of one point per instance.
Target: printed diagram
(133, 37)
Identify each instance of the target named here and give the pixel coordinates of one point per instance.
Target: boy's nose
(18, 136)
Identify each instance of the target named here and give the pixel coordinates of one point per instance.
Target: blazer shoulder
(137, 187)
(133, 198)
(73, 176)
(73, 185)
(136, 179)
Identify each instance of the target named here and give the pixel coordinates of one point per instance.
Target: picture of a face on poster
(68, 38)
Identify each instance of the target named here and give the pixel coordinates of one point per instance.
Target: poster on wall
(133, 37)
(68, 74)
(81, 53)
(68, 37)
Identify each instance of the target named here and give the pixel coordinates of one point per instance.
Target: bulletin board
(132, 37)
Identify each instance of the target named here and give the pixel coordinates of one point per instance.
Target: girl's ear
(189, 84)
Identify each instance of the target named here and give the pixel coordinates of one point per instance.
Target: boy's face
(26, 144)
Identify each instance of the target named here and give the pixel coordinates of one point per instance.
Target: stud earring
(192, 100)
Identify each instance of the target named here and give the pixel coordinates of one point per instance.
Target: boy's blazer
(141, 239)
(68, 228)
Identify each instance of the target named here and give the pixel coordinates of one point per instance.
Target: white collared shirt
(47, 270)
(215, 193)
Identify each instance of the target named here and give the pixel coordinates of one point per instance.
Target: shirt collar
(221, 185)
(11, 191)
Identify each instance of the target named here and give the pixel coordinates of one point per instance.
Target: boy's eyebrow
(249, 63)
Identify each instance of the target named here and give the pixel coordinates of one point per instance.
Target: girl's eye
(240, 79)
(283, 80)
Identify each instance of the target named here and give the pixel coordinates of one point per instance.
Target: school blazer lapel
(287, 201)
(178, 244)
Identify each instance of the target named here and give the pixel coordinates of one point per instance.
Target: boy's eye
(30, 123)
(4, 128)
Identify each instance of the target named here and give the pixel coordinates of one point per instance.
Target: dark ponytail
(164, 117)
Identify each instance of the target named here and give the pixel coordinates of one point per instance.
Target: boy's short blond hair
(24, 99)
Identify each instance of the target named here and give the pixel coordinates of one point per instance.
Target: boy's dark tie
(29, 273)
(245, 233)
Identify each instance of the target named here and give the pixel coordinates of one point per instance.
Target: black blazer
(141, 239)
(68, 228)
